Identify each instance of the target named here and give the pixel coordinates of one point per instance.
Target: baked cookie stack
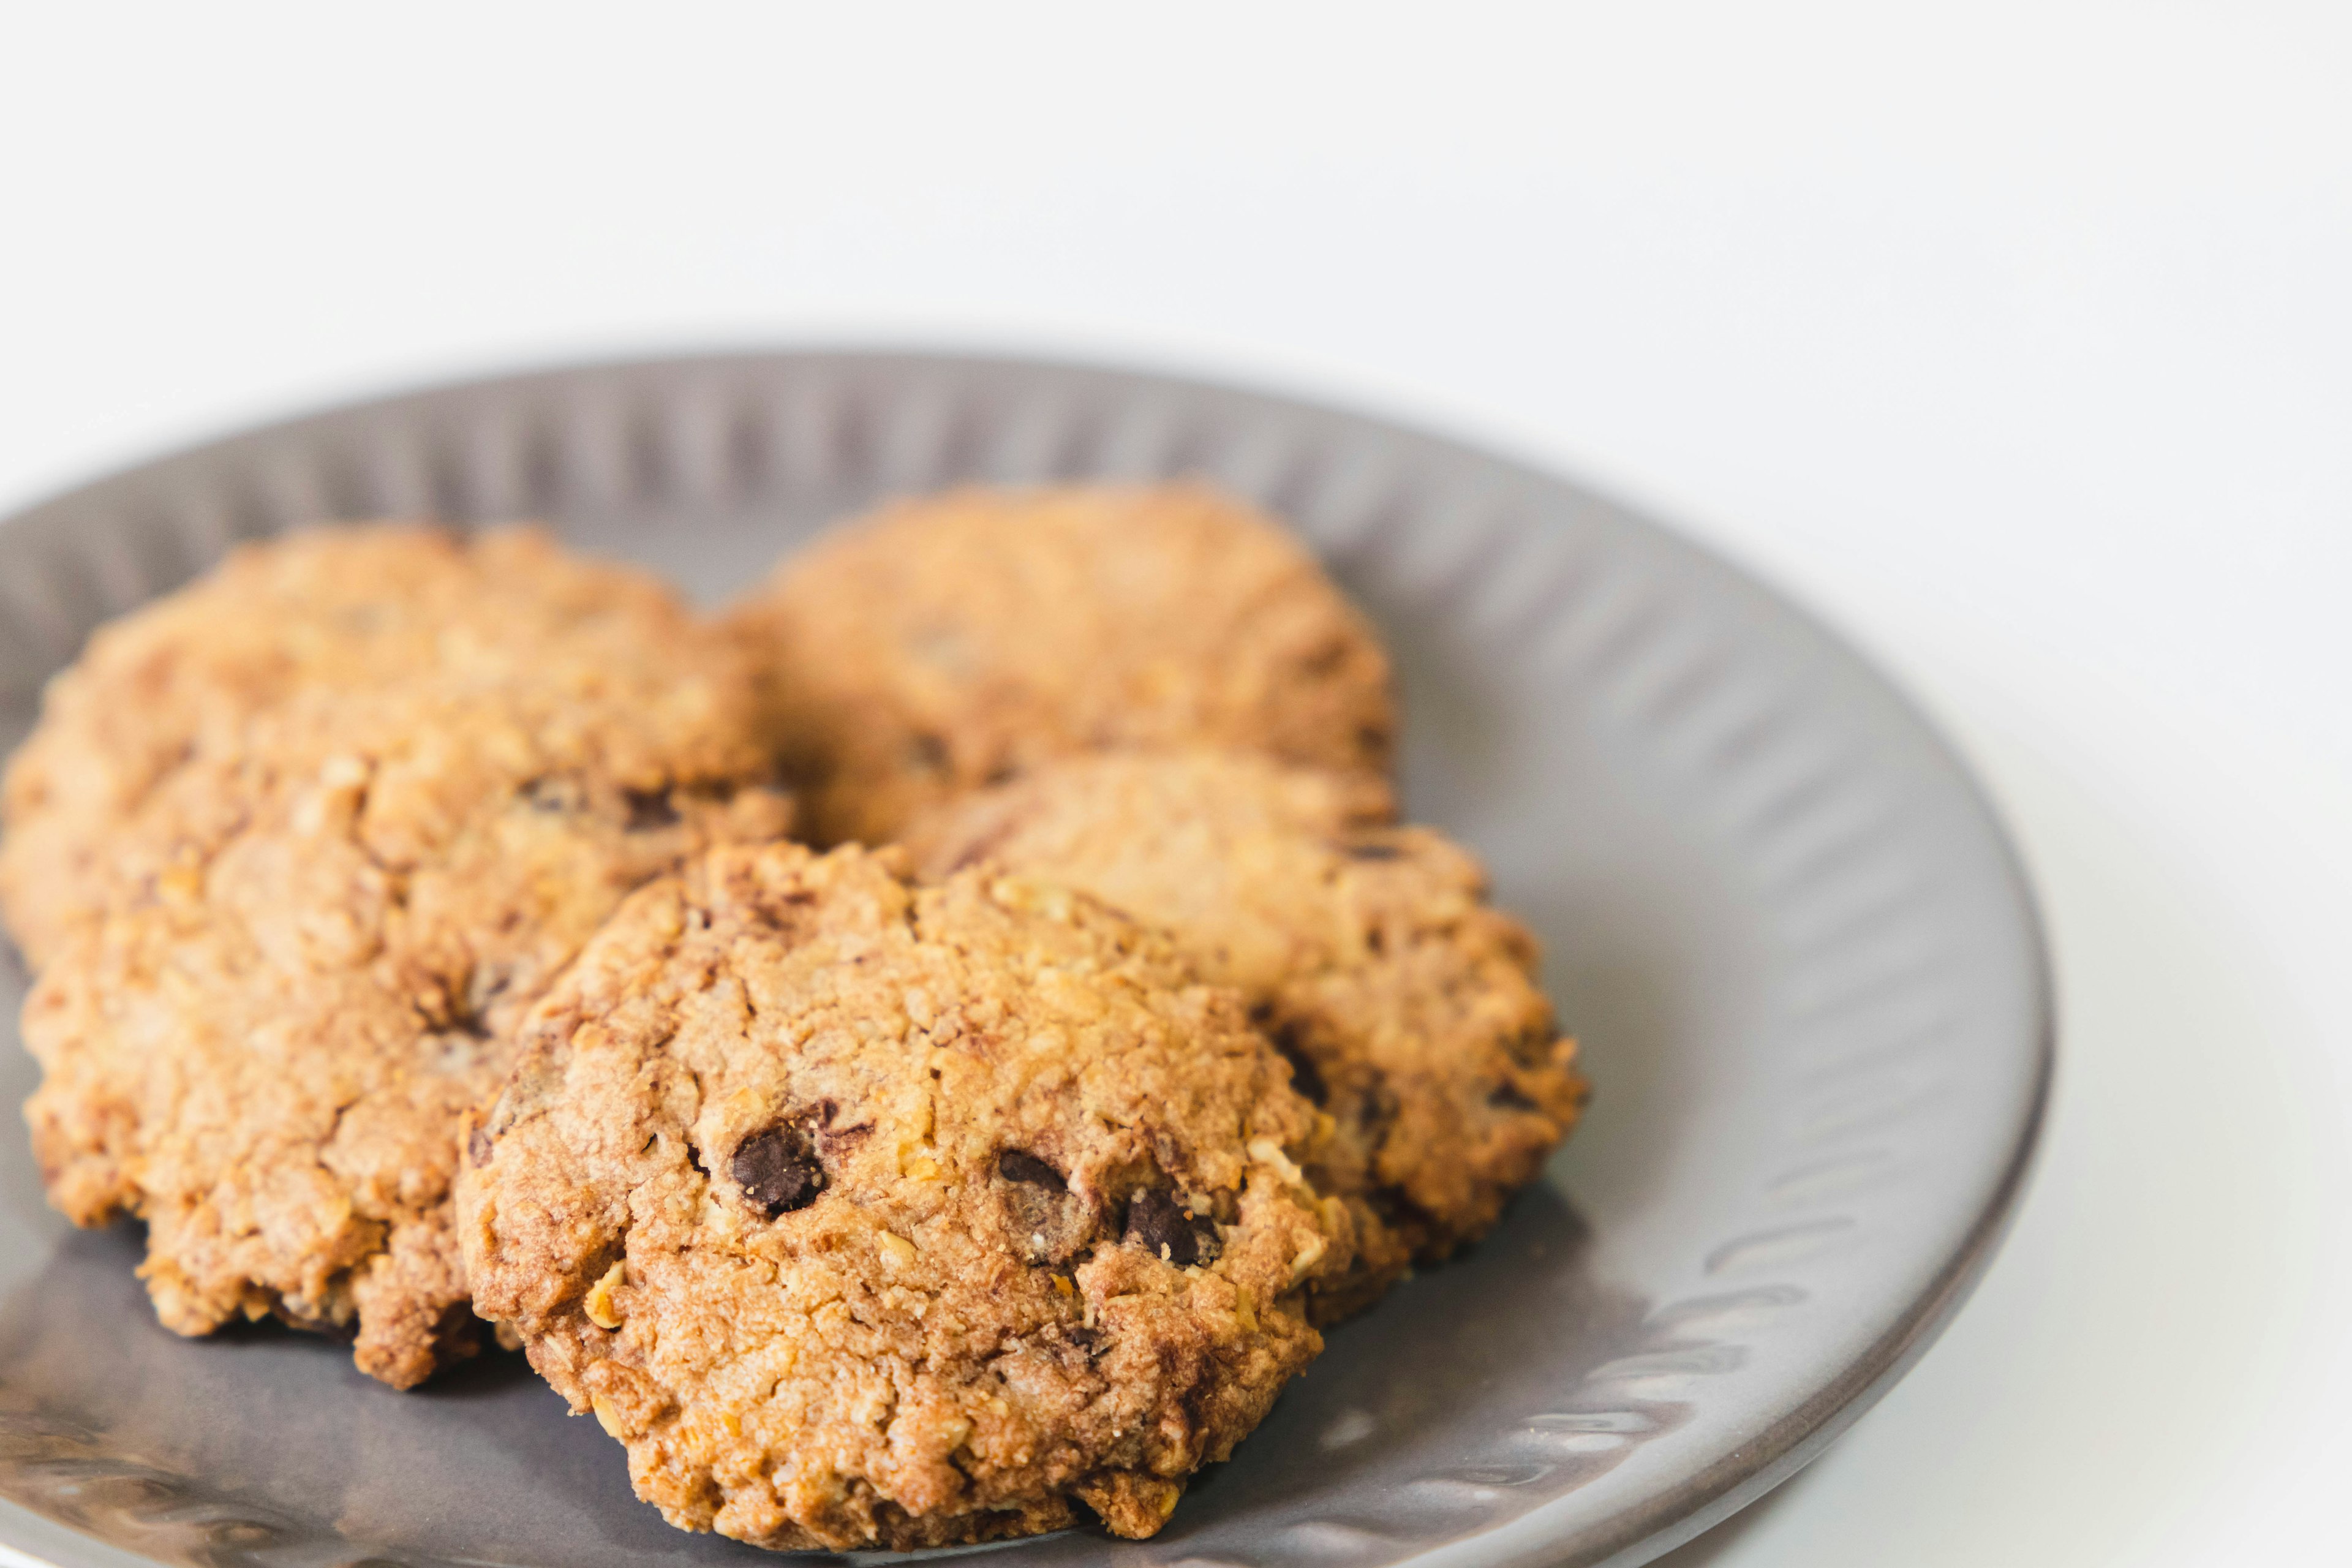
(294, 850)
(919, 1057)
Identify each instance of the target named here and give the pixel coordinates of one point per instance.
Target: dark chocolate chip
(1305, 1076)
(1020, 1165)
(778, 1170)
(1156, 1223)
(1398, 1210)
(1047, 1223)
(478, 1146)
(1508, 1096)
(649, 809)
(1050, 1225)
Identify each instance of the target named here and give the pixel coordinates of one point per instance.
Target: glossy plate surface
(1795, 943)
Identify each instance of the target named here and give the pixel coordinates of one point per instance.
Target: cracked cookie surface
(1405, 1003)
(956, 640)
(294, 864)
(114, 777)
(866, 1215)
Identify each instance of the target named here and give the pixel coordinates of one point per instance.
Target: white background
(2016, 342)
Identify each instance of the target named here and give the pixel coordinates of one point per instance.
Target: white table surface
(2016, 343)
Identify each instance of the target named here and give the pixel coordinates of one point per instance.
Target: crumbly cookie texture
(1406, 1004)
(958, 639)
(182, 684)
(871, 1215)
(364, 853)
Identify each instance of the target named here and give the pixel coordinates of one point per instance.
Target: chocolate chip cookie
(865, 1215)
(957, 640)
(180, 684)
(331, 849)
(1406, 1004)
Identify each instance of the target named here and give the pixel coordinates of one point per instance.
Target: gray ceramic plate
(1797, 950)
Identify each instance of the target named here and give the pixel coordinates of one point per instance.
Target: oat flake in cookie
(957, 640)
(366, 829)
(1405, 1003)
(871, 1215)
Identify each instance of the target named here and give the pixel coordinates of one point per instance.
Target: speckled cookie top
(866, 1215)
(1405, 1002)
(121, 769)
(323, 908)
(954, 640)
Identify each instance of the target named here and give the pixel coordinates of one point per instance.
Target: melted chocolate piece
(1508, 1095)
(648, 809)
(1020, 1165)
(1156, 1223)
(1050, 1224)
(1305, 1076)
(778, 1170)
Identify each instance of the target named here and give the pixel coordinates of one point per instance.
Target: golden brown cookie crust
(1406, 1004)
(377, 826)
(182, 683)
(953, 640)
(870, 1215)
